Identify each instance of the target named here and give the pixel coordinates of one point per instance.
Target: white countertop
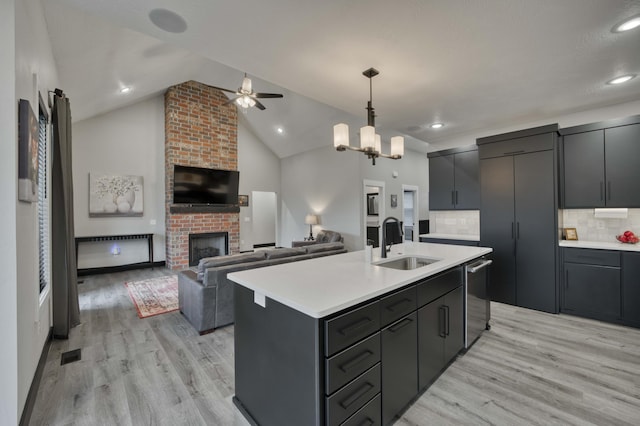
(601, 245)
(452, 237)
(325, 285)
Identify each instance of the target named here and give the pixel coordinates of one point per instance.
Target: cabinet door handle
(345, 403)
(355, 361)
(453, 198)
(446, 323)
(351, 328)
(400, 325)
(512, 230)
(601, 191)
(517, 230)
(366, 422)
(393, 307)
(442, 317)
(609, 190)
(456, 197)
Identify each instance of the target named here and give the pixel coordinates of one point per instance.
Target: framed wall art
(27, 153)
(115, 195)
(243, 200)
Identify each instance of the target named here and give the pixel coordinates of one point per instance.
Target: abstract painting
(115, 195)
(27, 153)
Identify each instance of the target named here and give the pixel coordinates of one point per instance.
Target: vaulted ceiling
(470, 64)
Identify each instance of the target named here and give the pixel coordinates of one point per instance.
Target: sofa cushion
(210, 262)
(326, 236)
(284, 252)
(315, 248)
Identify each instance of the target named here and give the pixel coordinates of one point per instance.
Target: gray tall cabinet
(518, 216)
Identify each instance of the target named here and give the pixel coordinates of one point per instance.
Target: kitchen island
(339, 340)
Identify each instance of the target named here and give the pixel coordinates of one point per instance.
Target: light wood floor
(531, 368)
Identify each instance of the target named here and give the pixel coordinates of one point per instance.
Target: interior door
(536, 235)
(497, 225)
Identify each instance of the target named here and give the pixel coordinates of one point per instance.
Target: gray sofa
(324, 236)
(205, 295)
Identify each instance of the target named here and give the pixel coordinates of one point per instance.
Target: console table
(104, 269)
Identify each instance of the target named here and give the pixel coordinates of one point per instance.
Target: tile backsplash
(457, 222)
(590, 228)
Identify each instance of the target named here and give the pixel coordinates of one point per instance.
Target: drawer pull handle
(446, 309)
(355, 361)
(400, 325)
(361, 391)
(366, 422)
(393, 307)
(361, 323)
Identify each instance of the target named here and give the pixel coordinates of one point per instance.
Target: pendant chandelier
(370, 142)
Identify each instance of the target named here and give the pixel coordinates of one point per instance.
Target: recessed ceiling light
(280, 130)
(621, 79)
(437, 125)
(627, 25)
(168, 21)
(125, 89)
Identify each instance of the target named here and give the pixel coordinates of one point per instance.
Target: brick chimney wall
(199, 131)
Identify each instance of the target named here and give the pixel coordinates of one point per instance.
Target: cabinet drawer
(369, 415)
(352, 397)
(350, 327)
(524, 145)
(592, 257)
(397, 305)
(439, 285)
(350, 363)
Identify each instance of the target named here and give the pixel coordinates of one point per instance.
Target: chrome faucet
(383, 244)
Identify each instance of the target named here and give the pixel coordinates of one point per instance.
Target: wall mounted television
(201, 186)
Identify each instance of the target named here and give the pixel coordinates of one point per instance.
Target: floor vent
(71, 356)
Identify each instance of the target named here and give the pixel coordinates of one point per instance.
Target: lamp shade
(367, 137)
(340, 135)
(311, 219)
(378, 143)
(397, 146)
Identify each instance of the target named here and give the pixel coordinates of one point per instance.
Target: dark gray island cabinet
(360, 364)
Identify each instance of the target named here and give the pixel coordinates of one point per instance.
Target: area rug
(154, 296)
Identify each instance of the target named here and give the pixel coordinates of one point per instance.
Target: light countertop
(452, 237)
(601, 245)
(326, 285)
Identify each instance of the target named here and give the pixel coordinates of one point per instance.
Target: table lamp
(311, 219)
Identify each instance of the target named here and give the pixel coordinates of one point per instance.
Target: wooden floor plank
(530, 368)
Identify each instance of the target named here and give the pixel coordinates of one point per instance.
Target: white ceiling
(471, 64)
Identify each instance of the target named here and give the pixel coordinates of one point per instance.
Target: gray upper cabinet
(453, 179)
(600, 164)
(518, 216)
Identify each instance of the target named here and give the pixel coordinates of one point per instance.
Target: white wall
(35, 71)
(327, 183)
(126, 141)
(9, 193)
(259, 171)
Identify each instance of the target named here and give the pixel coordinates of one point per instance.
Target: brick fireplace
(199, 131)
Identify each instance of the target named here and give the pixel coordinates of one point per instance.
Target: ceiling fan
(246, 97)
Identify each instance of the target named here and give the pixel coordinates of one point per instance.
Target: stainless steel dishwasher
(477, 307)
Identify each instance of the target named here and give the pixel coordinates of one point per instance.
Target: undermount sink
(407, 263)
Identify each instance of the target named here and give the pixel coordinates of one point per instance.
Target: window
(43, 200)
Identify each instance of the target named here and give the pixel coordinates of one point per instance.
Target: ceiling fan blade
(224, 90)
(231, 100)
(267, 95)
(259, 105)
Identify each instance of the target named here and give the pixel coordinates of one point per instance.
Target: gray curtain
(64, 282)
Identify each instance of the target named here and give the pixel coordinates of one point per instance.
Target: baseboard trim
(119, 268)
(35, 383)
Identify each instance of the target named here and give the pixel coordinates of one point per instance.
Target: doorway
(373, 211)
(410, 212)
(263, 212)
